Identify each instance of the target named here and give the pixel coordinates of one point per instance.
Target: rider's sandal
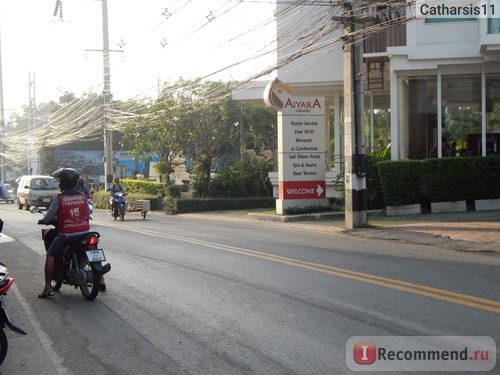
(46, 294)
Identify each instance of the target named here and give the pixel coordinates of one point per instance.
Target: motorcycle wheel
(3, 346)
(91, 289)
(122, 213)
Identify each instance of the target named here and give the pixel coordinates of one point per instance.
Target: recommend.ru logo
(421, 353)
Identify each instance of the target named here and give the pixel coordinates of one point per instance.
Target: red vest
(72, 215)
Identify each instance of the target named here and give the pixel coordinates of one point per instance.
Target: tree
(258, 126)
(197, 120)
(209, 129)
(158, 131)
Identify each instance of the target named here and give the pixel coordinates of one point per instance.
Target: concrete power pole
(355, 157)
(106, 94)
(108, 133)
(3, 175)
(32, 161)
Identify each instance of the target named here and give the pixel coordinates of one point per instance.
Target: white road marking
(45, 340)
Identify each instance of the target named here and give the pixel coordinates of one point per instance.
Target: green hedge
(143, 186)
(400, 181)
(177, 206)
(440, 180)
(449, 179)
(172, 204)
(101, 199)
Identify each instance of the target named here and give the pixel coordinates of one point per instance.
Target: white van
(36, 190)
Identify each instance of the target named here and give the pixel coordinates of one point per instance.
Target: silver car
(11, 192)
(36, 190)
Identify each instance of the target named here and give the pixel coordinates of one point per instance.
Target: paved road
(218, 294)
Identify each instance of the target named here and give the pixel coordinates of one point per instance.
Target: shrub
(490, 189)
(400, 182)
(448, 179)
(375, 197)
(175, 206)
(440, 180)
(173, 191)
(248, 178)
(143, 186)
(227, 183)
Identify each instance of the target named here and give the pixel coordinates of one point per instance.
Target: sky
(151, 41)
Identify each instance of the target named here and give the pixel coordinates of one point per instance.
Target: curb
(295, 218)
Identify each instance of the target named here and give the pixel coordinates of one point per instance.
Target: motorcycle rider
(69, 209)
(83, 189)
(115, 188)
(89, 194)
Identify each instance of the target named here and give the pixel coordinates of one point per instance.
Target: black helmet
(68, 177)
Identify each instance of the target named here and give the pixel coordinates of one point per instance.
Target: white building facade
(424, 81)
(445, 85)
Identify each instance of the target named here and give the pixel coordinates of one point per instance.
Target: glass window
(492, 114)
(377, 124)
(493, 103)
(494, 22)
(418, 117)
(461, 101)
(44, 184)
(336, 158)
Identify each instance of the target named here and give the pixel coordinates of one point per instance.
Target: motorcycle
(81, 263)
(5, 283)
(118, 205)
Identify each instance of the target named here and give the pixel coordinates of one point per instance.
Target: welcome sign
(301, 148)
(303, 152)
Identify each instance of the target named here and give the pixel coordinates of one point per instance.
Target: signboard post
(301, 150)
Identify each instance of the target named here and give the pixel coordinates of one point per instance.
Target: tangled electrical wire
(324, 30)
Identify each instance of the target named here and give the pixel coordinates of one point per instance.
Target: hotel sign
(301, 143)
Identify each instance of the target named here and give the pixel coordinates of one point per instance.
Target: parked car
(11, 192)
(36, 190)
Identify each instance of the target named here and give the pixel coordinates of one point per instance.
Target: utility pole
(31, 123)
(108, 133)
(242, 147)
(355, 157)
(106, 94)
(2, 122)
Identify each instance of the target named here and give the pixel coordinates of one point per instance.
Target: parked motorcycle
(118, 205)
(5, 283)
(81, 263)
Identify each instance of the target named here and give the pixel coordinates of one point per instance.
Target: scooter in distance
(118, 205)
(81, 263)
(5, 283)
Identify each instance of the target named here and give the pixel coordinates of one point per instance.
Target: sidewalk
(473, 231)
(464, 231)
